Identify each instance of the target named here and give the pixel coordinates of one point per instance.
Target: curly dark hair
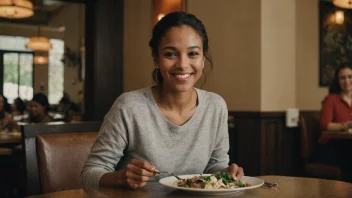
(176, 19)
(335, 87)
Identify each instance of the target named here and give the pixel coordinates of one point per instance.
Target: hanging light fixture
(39, 44)
(16, 8)
(343, 3)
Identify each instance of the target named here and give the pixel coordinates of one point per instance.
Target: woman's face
(181, 58)
(1, 103)
(345, 79)
(37, 109)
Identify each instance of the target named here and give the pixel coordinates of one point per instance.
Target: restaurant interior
(271, 66)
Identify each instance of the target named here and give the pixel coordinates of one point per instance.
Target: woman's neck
(175, 101)
(347, 94)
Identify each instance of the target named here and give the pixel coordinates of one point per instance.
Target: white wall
(308, 95)
(278, 60)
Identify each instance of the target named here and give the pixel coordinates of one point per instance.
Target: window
(18, 75)
(17, 67)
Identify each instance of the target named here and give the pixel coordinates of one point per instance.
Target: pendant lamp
(16, 8)
(39, 43)
(343, 3)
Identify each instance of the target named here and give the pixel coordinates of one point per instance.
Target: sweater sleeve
(219, 158)
(326, 115)
(107, 150)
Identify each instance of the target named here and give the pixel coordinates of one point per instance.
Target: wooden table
(288, 187)
(10, 139)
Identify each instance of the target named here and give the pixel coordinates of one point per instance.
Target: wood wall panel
(262, 144)
(270, 150)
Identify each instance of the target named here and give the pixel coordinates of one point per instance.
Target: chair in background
(77, 146)
(61, 158)
(309, 132)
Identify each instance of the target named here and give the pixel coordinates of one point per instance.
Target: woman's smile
(182, 76)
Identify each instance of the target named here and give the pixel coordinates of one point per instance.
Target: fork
(159, 172)
(270, 184)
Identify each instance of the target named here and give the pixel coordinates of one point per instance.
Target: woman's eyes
(172, 54)
(169, 54)
(344, 77)
(193, 54)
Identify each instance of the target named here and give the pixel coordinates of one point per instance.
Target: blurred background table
(337, 134)
(10, 138)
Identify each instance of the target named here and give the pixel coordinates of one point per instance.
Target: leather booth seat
(61, 158)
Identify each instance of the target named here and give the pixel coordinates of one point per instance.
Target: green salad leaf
(207, 178)
(240, 184)
(225, 177)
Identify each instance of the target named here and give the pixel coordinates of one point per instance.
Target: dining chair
(61, 159)
(42, 151)
(309, 133)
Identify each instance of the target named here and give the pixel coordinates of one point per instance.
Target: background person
(39, 109)
(336, 115)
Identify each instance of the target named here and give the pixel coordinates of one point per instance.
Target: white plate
(171, 183)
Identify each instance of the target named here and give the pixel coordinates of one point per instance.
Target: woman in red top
(336, 112)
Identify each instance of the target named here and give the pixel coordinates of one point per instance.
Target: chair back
(29, 134)
(61, 158)
(309, 133)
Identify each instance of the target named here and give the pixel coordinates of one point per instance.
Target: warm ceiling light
(343, 3)
(339, 17)
(41, 60)
(39, 44)
(160, 16)
(16, 8)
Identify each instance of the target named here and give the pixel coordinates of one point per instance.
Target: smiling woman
(171, 126)
(336, 116)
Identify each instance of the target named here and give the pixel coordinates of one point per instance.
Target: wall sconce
(41, 60)
(160, 16)
(162, 7)
(339, 17)
(16, 8)
(343, 3)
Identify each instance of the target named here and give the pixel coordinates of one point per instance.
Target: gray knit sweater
(135, 128)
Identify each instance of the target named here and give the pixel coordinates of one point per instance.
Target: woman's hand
(235, 171)
(138, 173)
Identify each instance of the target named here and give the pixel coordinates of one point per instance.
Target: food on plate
(215, 181)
